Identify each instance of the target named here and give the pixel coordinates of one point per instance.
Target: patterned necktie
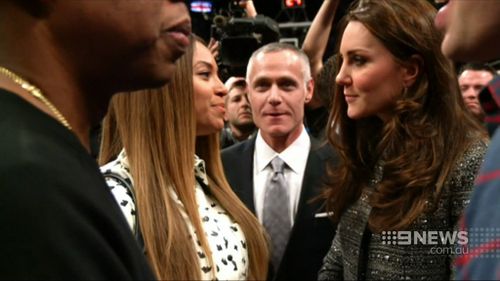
(276, 213)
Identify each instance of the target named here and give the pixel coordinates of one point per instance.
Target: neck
(280, 142)
(51, 71)
(242, 132)
(314, 103)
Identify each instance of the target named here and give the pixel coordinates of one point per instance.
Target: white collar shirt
(295, 157)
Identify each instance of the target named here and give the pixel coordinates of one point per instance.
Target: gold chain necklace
(37, 93)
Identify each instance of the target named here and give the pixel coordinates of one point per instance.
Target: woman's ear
(412, 69)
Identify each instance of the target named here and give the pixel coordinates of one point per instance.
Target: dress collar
(200, 171)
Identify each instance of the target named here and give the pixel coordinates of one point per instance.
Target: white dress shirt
(295, 157)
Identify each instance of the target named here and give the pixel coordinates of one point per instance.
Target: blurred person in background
(472, 79)
(239, 121)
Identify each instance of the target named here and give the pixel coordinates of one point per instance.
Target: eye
(261, 86)
(358, 60)
(287, 85)
(478, 87)
(204, 74)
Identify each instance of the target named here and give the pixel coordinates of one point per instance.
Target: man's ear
(309, 90)
(412, 69)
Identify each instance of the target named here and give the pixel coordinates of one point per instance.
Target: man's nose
(274, 95)
(470, 94)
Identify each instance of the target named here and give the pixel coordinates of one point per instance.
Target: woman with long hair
(192, 224)
(409, 150)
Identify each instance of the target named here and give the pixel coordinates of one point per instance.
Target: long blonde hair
(158, 131)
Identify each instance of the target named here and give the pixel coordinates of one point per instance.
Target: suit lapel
(311, 183)
(312, 175)
(245, 175)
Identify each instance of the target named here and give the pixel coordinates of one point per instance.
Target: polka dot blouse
(226, 240)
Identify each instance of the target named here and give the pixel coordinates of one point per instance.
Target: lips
(245, 113)
(350, 98)
(274, 114)
(473, 104)
(441, 17)
(178, 35)
(220, 107)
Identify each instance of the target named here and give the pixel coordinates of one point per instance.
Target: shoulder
(477, 149)
(117, 176)
(237, 149)
(118, 168)
(324, 150)
(473, 156)
(467, 167)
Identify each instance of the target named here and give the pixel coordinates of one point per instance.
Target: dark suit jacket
(311, 237)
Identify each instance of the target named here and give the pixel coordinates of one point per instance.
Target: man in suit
(280, 84)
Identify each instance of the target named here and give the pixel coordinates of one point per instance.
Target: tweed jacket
(356, 253)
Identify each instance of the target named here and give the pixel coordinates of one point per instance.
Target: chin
(245, 121)
(278, 133)
(354, 116)
(213, 130)
(465, 51)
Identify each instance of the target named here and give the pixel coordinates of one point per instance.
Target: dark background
(272, 9)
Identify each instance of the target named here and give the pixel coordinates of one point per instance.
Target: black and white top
(226, 240)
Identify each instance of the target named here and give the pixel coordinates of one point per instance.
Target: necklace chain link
(37, 93)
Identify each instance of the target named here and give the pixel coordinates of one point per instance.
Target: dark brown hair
(427, 133)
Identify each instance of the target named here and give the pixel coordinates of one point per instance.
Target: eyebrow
(204, 63)
(281, 79)
(353, 51)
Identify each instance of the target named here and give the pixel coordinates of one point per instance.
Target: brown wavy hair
(157, 128)
(428, 131)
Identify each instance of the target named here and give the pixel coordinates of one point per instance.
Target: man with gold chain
(60, 63)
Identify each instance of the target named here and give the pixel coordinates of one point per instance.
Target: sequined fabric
(353, 257)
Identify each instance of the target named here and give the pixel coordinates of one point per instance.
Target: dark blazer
(311, 237)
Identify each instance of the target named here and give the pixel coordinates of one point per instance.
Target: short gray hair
(278, 47)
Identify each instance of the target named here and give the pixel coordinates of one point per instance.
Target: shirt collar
(295, 155)
(199, 169)
(122, 159)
